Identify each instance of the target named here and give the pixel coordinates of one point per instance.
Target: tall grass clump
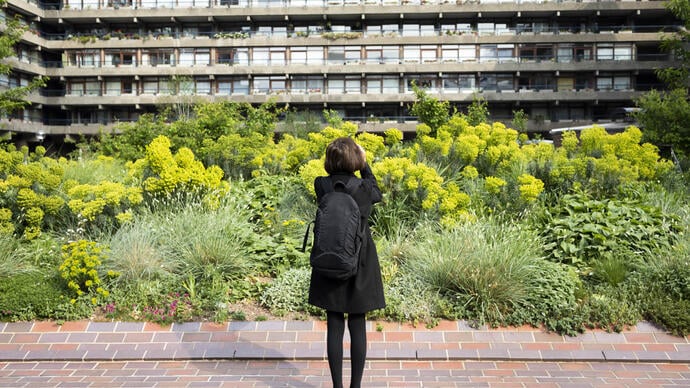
(137, 254)
(10, 263)
(206, 243)
(484, 267)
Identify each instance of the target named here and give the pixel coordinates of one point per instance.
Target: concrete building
(565, 63)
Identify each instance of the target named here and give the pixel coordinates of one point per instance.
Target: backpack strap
(350, 187)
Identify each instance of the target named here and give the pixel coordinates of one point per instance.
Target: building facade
(563, 62)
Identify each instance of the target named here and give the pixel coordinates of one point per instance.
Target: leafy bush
(38, 295)
(579, 230)
(409, 299)
(672, 314)
(289, 292)
(552, 299)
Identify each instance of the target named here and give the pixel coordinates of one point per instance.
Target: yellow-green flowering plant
(30, 189)
(81, 263)
(164, 175)
(109, 199)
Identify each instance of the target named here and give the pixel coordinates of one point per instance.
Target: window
(306, 55)
(202, 57)
(123, 58)
(117, 87)
(93, 87)
(535, 53)
(458, 83)
(347, 84)
(411, 54)
(85, 59)
(505, 53)
(621, 83)
(269, 85)
(233, 56)
(377, 84)
(269, 31)
(306, 84)
(614, 82)
(418, 30)
(485, 28)
(150, 85)
(381, 54)
(373, 31)
(496, 82)
(427, 82)
(84, 116)
(496, 53)
(234, 85)
(467, 53)
(565, 53)
(605, 52)
(76, 87)
(488, 53)
(428, 54)
(157, 57)
(270, 56)
(336, 55)
(622, 53)
(202, 86)
(344, 55)
(127, 86)
(187, 57)
(583, 53)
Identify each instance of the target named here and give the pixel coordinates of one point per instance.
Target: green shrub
(408, 299)
(610, 309)
(289, 293)
(663, 288)
(552, 299)
(38, 295)
(580, 230)
(672, 314)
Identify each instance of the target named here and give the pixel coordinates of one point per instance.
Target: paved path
(292, 354)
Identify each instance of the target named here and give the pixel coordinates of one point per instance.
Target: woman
(362, 292)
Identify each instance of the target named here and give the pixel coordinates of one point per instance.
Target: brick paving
(292, 354)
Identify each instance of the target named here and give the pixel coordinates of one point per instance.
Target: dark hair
(343, 155)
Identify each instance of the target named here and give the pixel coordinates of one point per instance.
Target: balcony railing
(91, 36)
(172, 4)
(534, 87)
(89, 64)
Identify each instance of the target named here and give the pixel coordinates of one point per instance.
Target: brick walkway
(292, 354)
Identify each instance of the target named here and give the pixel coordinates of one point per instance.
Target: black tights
(356, 324)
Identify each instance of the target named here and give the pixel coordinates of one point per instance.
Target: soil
(253, 312)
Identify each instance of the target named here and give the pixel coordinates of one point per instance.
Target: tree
(429, 110)
(676, 44)
(13, 99)
(478, 111)
(519, 121)
(665, 116)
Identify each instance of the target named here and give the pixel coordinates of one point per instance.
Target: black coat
(364, 291)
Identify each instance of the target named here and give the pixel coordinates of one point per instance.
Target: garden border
(305, 340)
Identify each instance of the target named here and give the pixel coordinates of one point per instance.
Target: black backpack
(338, 231)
